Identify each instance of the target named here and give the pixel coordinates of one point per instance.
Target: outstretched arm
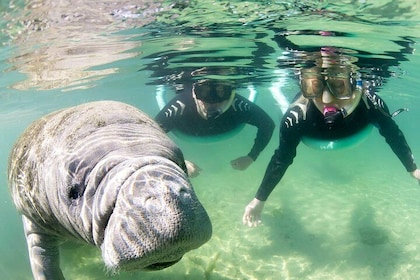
(43, 252)
(253, 115)
(265, 125)
(289, 139)
(393, 135)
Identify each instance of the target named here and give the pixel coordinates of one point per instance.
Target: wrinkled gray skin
(105, 174)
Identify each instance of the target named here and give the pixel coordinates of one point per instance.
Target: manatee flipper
(43, 252)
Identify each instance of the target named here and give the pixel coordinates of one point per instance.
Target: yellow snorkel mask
(334, 90)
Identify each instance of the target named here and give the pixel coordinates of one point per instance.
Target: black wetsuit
(294, 127)
(181, 114)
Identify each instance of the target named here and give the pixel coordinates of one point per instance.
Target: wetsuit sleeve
(290, 136)
(392, 134)
(265, 126)
(167, 116)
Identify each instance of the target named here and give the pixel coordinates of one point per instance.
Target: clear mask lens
(338, 85)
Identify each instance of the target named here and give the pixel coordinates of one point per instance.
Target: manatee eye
(76, 191)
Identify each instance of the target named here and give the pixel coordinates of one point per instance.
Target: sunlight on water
(348, 214)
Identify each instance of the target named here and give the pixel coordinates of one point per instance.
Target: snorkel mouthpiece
(214, 113)
(333, 117)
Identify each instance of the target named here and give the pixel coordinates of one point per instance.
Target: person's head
(212, 97)
(333, 90)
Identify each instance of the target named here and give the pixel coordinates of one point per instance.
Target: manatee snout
(156, 220)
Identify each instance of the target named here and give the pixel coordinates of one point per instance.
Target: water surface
(347, 214)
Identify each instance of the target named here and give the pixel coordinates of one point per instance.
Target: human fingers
(250, 220)
(247, 218)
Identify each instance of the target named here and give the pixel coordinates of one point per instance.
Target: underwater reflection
(58, 43)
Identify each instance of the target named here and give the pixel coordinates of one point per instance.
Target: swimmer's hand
(416, 174)
(252, 215)
(241, 163)
(193, 169)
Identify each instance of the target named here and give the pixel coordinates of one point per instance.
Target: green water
(349, 214)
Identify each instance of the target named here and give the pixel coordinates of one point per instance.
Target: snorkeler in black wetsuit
(331, 105)
(213, 108)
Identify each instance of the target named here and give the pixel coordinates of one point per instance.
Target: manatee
(104, 173)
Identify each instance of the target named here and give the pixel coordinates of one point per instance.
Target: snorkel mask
(335, 91)
(212, 97)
